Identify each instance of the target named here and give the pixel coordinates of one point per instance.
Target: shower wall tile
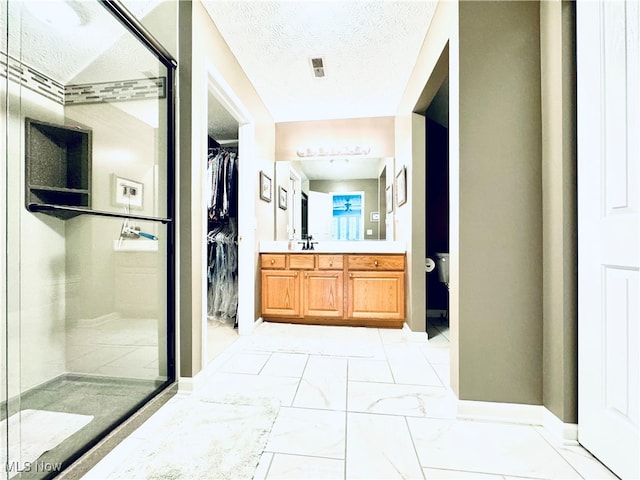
(104, 92)
(119, 91)
(32, 79)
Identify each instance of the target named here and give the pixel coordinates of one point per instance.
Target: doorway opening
(221, 197)
(437, 212)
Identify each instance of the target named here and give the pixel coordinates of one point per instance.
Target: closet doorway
(229, 237)
(221, 197)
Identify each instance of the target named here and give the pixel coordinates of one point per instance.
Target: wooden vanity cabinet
(280, 287)
(335, 289)
(323, 289)
(375, 288)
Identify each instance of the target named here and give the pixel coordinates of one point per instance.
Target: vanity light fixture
(322, 151)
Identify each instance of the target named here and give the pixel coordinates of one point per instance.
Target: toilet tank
(443, 267)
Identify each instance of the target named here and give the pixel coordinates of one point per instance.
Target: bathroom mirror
(341, 198)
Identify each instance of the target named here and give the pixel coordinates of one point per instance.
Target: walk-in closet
(221, 197)
(86, 228)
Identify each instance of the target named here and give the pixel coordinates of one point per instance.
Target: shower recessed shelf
(58, 166)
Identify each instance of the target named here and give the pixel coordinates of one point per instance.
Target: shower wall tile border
(32, 79)
(120, 91)
(106, 92)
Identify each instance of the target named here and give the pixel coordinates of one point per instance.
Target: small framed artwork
(265, 187)
(282, 198)
(374, 216)
(127, 193)
(401, 186)
(389, 198)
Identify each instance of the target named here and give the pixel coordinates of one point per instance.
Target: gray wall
(559, 209)
(500, 263)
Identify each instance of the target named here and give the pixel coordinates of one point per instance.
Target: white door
(608, 232)
(320, 215)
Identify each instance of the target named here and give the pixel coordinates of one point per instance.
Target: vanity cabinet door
(375, 295)
(323, 294)
(280, 293)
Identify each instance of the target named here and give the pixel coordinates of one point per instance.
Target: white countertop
(361, 246)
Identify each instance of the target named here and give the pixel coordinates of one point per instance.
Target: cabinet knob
(331, 263)
(272, 261)
(351, 275)
(375, 263)
(296, 274)
(306, 274)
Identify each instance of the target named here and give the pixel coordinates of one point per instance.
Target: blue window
(348, 220)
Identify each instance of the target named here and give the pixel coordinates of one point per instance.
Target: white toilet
(442, 261)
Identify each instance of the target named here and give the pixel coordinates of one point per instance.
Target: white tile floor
(375, 404)
(117, 347)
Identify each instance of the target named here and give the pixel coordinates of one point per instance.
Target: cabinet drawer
(375, 262)
(272, 260)
(301, 262)
(330, 262)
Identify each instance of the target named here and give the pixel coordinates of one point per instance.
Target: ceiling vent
(317, 65)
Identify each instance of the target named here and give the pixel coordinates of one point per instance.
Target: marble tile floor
(220, 336)
(366, 403)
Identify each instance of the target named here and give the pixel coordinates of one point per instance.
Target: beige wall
(375, 132)
(557, 19)
(201, 46)
(281, 178)
(410, 138)
(409, 225)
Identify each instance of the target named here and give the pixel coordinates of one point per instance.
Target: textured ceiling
(369, 48)
(65, 52)
(222, 127)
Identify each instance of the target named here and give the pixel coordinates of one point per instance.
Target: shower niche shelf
(58, 168)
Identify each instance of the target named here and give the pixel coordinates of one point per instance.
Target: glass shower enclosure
(86, 228)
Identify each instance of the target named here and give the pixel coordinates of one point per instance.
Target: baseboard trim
(558, 432)
(256, 324)
(501, 412)
(188, 385)
(414, 336)
(561, 433)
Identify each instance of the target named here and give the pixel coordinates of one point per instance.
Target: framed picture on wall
(282, 198)
(389, 198)
(401, 186)
(265, 187)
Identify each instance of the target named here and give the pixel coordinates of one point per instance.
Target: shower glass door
(88, 229)
(4, 7)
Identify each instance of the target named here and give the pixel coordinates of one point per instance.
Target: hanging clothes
(222, 173)
(222, 236)
(222, 272)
